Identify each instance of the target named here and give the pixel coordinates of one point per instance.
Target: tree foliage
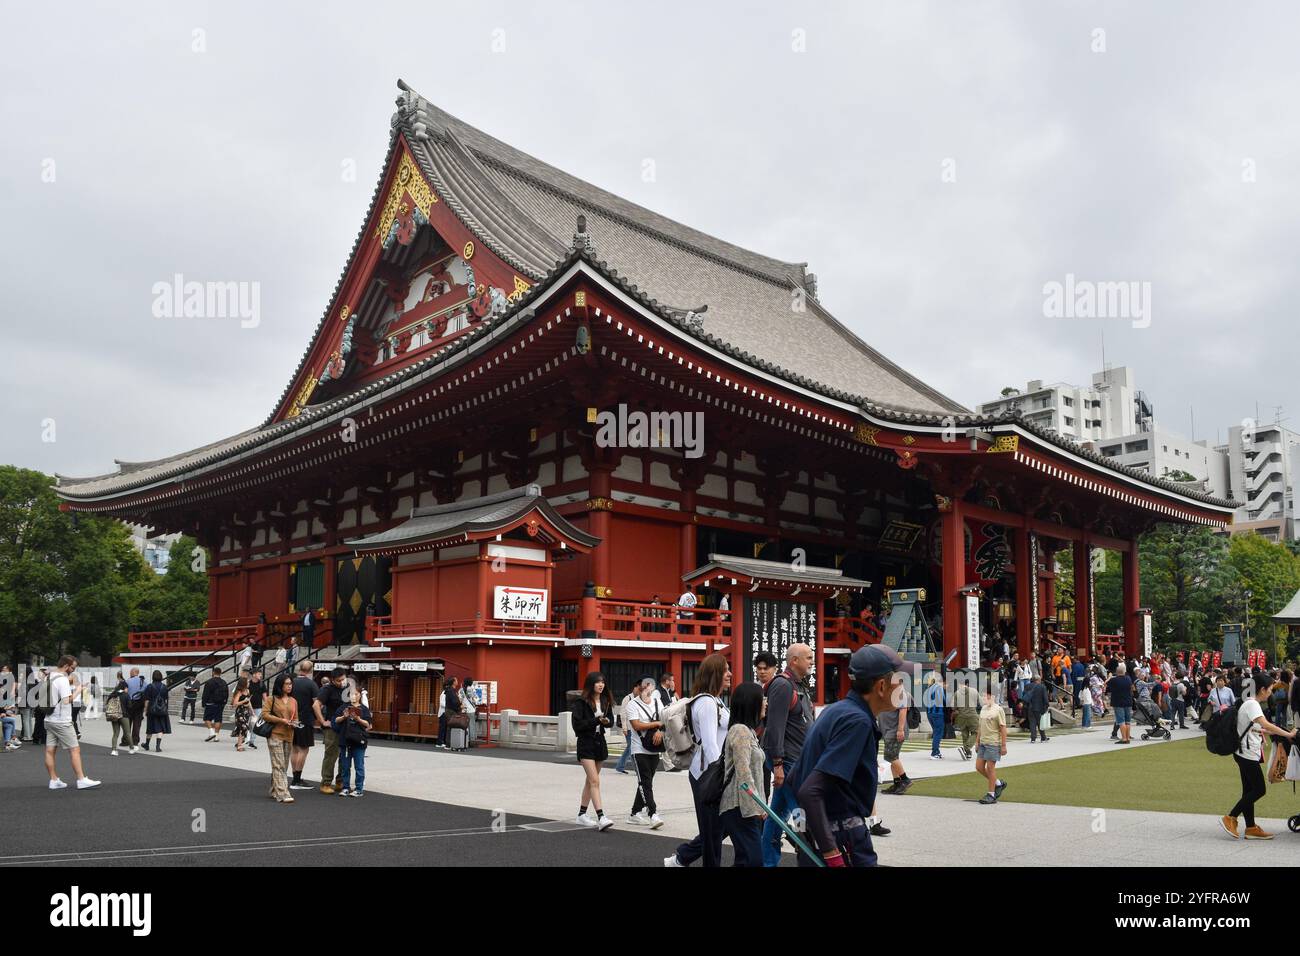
(1188, 583)
(1271, 573)
(177, 599)
(73, 583)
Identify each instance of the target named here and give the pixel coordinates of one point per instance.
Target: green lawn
(1179, 776)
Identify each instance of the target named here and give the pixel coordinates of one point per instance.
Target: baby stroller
(1148, 715)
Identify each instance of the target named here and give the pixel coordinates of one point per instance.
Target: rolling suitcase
(457, 738)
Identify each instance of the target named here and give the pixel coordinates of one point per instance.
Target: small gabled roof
(1291, 613)
(439, 526)
(773, 574)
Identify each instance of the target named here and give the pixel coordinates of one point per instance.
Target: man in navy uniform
(836, 777)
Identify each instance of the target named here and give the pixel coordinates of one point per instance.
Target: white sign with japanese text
(520, 604)
(972, 631)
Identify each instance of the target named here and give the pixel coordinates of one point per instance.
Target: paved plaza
(495, 806)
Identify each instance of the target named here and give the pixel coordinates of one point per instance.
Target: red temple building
(532, 411)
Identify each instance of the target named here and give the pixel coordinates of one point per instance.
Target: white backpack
(680, 738)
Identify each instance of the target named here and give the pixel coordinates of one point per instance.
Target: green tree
(1188, 583)
(1270, 572)
(68, 582)
(177, 599)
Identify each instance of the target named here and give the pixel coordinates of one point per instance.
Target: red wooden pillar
(1082, 603)
(484, 563)
(1132, 600)
(686, 542)
(600, 503)
(953, 576)
(1026, 573)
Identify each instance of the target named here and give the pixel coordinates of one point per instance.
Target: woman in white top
(1222, 697)
(709, 718)
(1023, 676)
(1251, 727)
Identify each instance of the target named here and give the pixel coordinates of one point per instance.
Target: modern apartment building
(156, 550)
(1116, 419)
(1263, 462)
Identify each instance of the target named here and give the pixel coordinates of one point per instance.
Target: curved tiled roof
(476, 516)
(526, 210)
(187, 463)
(523, 209)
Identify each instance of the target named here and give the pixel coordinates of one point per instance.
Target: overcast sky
(936, 165)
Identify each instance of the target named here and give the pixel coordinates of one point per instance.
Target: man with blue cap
(836, 777)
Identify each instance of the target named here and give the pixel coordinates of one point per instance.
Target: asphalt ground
(152, 812)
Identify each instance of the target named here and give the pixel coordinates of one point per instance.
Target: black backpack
(158, 704)
(1221, 735)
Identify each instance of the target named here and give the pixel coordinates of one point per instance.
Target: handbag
(1278, 771)
(1292, 771)
(458, 721)
(263, 727)
(1045, 722)
(647, 736)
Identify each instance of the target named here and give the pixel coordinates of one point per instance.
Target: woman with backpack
(643, 716)
(740, 815)
(159, 722)
(115, 714)
(1250, 727)
(592, 712)
(708, 719)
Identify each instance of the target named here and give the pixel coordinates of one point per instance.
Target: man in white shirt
(1251, 727)
(685, 603)
(58, 726)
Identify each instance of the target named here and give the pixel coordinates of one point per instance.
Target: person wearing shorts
(992, 747)
(893, 731)
(60, 734)
(306, 694)
(1120, 688)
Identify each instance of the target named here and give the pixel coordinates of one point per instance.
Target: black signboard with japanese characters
(774, 625)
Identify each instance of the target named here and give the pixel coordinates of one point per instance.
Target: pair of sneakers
(1231, 826)
(899, 786)
(643, 819)
(345, 792)
(599, 823)
(85, 783)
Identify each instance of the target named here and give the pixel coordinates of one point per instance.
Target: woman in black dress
(155, 708)
(591, 714)
(243, 713)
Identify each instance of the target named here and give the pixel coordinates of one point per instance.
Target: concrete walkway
(927, 830)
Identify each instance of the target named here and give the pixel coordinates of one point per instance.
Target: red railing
(643, 621)
(193, 639)
(222, 632)
(1109, 643)
(413, 629)
(848, 632)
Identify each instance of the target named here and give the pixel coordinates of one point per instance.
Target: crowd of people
(762, 765)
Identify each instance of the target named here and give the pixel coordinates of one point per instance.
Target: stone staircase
(324, 657)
